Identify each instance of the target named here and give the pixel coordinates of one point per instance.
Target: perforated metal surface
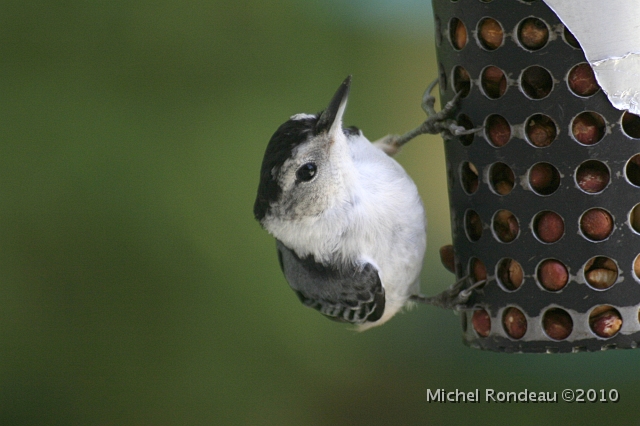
(522, 178)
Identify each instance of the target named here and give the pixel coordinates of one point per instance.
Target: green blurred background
(136, 287)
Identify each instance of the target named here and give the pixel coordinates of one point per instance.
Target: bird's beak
(331, 119)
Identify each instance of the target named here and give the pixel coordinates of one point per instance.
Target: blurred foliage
(136, 288)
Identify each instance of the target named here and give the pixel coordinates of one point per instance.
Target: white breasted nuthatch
(349, 223)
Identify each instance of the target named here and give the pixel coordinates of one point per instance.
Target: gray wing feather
(348, 294)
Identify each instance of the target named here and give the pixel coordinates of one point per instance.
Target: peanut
(502, 178)
(506, 226)
(541, 130)
(478, 271)
(447, 257)
(473, 225)
(553, 275)
(510, 274)
(494, 82)
(588, 128)
(549, 227)
(498, 130)
(544, 178)
(592, 176)
(596, 224)
(481, 322)
(536, 82)
(515, 323)
(582, 80)
(557, 324)
(458, 34)
(601, 272)
(470, 178)
(461, 81)
(491, 34)
(605, 321)
(533, 33)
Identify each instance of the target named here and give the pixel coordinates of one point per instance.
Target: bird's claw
(429, 101)
(455, 297)
(437, 122)
(440, 122)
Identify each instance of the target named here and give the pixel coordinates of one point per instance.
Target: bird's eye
(306, 172)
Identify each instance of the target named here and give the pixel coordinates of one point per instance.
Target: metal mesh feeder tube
(547, 195)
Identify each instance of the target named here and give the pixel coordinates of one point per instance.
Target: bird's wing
(348, 294)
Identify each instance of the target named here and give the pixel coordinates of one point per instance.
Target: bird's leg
(455, 297)
(436, 122)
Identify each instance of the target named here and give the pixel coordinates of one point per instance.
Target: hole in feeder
(631, 125)
(596, 224)
(514, 322)
(510, 274)
(582, 80)
(570, 39)
(469, 177)
(497, 130)
(533, 33)
(465, 121)
(605, 321)
(552, 274)
(588, 128)
(536, 82)
(636, 267)
(461, 81)
(490, 34)
(502, 178)
(634, 218)
(457, 33)
(544, 178)
(548, 226)
(632, 170)
(472, 225)
(541, 130)
(493, 82)
(481, 322)
(592, 176)
(442, 76)
(600, 272)
(477, 270)
(505, 226)
(557, 324)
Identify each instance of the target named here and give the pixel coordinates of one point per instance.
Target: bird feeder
(545, 199)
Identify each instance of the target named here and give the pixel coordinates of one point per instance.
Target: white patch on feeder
(608, 34)
(623, 81)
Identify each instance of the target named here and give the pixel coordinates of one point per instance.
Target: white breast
(389, 224)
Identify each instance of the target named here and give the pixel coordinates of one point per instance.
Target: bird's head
(306, 165)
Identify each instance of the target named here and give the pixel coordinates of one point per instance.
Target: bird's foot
(455, 297)
(440, 122)
(437, 122)
(389, 145)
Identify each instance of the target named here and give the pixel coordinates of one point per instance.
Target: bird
(349, 223)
